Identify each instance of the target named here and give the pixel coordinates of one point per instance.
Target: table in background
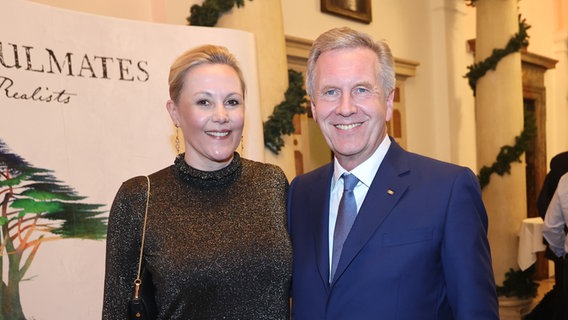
(530, 241)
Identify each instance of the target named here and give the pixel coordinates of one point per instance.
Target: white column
(499, 116)
(264, 20)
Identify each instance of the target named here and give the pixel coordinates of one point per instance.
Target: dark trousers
(553, 304)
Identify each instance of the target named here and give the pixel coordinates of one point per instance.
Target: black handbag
(143, 304)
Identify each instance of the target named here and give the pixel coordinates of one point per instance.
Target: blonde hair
(205, 54)
(347, 38)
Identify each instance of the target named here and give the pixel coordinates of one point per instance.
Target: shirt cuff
(559, 252)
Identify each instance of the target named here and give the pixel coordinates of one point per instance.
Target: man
(558, 167)
(552, 305)
(418, 247)
(555, 222)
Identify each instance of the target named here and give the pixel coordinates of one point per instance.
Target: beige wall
(439, 108)
(549, 37)
(439, 103)
(127, 9)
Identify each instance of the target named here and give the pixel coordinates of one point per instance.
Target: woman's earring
(242, 145)
(177, 138)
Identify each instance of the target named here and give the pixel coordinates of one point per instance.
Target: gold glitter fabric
(216, 243)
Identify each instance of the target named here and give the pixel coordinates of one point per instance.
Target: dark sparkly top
(216, 242)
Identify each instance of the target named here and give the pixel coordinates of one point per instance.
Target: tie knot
(349, 181)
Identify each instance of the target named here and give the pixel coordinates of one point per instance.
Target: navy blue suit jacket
(418, 248)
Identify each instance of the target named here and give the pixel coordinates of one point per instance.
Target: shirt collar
(367, 170)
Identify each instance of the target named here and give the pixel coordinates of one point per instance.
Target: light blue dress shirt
(556, 218)
(365, 172)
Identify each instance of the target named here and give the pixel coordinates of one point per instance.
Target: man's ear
(313, 106)
(390, 106)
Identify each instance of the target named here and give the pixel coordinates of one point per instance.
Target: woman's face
(210, 113)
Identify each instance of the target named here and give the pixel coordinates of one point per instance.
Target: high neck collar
(208, 179)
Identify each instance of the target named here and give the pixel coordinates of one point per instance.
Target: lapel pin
(390, 192)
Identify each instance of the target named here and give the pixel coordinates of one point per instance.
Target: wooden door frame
(533, 69)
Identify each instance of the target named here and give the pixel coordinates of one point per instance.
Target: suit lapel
(386, 190)
(319, 208)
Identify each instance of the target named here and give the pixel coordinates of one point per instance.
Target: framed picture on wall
(359, 10)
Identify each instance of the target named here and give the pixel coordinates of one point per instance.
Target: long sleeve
(123, 248)
(216, 244)
(466, 255)
(556, 218)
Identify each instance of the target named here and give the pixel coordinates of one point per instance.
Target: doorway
(534, 105)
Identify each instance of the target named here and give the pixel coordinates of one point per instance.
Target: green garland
(507, 154)
(280, 122)
(519, 283)
(478, 70)
(209, 12)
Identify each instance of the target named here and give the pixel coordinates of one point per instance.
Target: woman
(216, 241)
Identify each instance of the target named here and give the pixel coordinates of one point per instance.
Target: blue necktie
(345, 217)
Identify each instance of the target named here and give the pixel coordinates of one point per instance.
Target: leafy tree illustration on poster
(36, 208)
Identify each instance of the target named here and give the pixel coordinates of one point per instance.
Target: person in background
(216, 243)
(555, 223)
(558, 167)
(381, 233)
(552, 305)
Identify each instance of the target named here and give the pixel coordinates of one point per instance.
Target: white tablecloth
(530, 242)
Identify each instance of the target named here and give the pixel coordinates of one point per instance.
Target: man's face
(349, 105)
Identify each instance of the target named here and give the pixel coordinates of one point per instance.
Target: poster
(82, 108)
